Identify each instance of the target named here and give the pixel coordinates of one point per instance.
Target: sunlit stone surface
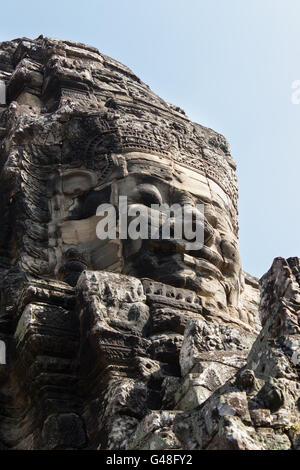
(109, 341)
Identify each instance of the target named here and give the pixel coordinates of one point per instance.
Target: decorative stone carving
(117, 337)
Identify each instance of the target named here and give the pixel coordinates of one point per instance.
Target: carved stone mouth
(205, 260)
(201, 265)
(209, 255)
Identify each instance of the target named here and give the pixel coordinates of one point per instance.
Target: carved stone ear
(78, 181)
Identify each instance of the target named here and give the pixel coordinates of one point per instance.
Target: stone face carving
(117, 337)
(214, 271)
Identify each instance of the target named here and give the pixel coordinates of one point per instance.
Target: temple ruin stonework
(120, 343)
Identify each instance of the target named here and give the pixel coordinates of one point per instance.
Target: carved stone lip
(205, 254)
(205, 259)
(209, 255)
(201, 265)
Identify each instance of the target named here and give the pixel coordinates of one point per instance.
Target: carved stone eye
(147, 194)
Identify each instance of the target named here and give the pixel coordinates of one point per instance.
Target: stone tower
(109, 343)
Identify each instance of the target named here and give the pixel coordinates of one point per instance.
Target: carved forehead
(96, 140)
(136, 168)
(111, 146)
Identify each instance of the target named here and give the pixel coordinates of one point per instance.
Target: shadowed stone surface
(128, 344)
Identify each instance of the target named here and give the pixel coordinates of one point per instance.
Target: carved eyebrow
(146, 194)
(178, 195)
(148, 187)
(146, 179)
(149, 190)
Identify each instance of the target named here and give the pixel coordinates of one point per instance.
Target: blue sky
(230, 65)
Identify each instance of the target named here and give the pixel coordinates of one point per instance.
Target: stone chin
(213, 271)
